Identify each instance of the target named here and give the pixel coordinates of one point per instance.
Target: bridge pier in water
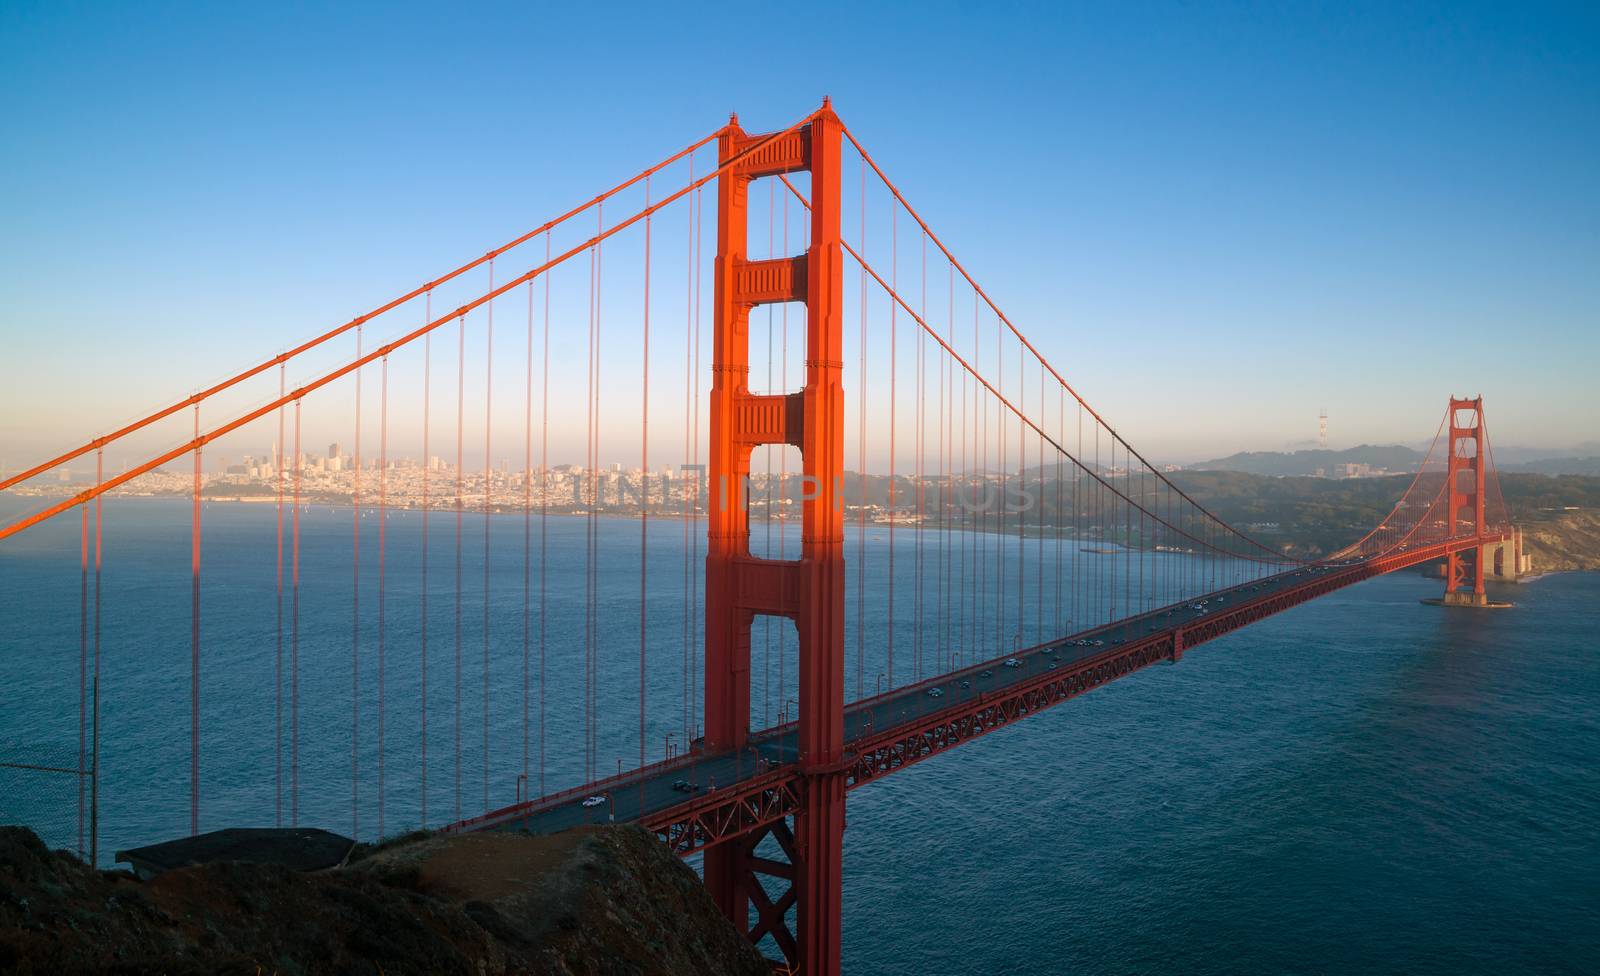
(810, 591)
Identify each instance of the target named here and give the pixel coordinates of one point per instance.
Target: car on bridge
(684, 786)
(1012, 662)
(593, 801)
(986, 673)
(935, 692)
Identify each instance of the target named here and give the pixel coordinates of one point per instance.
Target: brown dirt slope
(598, 902)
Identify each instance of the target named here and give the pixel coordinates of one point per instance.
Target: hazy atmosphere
(1358, 212)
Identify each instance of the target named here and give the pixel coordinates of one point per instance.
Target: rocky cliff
(596, 902)
(1570, 541)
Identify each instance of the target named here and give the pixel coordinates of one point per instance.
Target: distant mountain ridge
(1393, 457)
(1558, 466)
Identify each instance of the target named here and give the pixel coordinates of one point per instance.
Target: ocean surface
(1361, 785)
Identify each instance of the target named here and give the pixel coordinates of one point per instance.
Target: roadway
(643, 794)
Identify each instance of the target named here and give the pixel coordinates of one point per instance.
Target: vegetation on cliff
(609, 900)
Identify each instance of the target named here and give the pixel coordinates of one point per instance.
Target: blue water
(1362, 785)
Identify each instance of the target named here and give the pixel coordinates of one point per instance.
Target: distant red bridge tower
(1463, 577)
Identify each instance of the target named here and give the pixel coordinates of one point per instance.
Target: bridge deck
(730, 794)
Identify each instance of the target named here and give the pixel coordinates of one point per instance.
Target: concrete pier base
(1475, 601)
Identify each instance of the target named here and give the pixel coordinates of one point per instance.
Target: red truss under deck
(732, 812)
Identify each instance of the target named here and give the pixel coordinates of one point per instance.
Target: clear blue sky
(1216, 218)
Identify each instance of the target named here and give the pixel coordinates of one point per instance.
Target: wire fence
(50, 790)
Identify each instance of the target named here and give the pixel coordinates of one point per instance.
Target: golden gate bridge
(896, 362)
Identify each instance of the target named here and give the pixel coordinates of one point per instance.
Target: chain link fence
(51, 791)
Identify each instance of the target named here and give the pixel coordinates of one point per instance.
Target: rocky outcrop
(1570, 541)
(609, 900)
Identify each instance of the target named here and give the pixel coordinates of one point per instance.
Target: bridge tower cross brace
(1464, 574)
(809, 591)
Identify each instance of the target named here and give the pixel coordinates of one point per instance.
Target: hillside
(1315, 516)
(611, 900)
(1390, 457)
(1589, 466)
(1570, 541)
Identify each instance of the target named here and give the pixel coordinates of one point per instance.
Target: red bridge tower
(809, 591)
(1465, 497)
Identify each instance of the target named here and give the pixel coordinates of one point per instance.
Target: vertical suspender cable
(594, 509)
(94, 706)
(594, 513)
(427, 464)
(783, 457)
(920, 426)
(688, 413)
(644, 484)
(861, 457)
(1144, 596)
(294, 633)
(894, 273)
(962, 500)
(355, 614)
(944, 432)
(83, 669)
(488, 499)
(277, 682)
(1061, 434)
(1005, 484)
(1038, 508)
(383, 552)
(766, 518)
(1127, 530)
(948, 463)
(461, 402)
(544, 505)
(696, 645)
(194, 642)
(590, 503)
(527, 543)
(980, 455)
(1022, 485)
(968, 432)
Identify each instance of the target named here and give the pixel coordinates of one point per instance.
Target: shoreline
(678, 515)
